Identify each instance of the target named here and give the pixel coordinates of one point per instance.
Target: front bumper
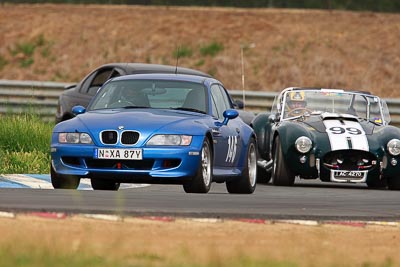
(159, 164)
(318, 165)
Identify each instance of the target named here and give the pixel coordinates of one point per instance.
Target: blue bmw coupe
(156, 129)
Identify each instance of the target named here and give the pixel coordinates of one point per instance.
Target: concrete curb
(169, 219)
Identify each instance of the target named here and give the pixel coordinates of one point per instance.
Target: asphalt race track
(305, 201)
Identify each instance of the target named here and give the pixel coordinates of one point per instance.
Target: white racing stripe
(346, 134)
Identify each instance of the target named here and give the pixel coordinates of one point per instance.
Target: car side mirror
(238, 104)
(78, 110)
(229, 114)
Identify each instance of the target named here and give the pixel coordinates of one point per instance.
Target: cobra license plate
(348, 174)
(132, 154)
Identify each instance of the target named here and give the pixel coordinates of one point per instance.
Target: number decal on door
(232, 148)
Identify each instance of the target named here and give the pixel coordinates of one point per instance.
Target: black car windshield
(295, 103)
(132, 94)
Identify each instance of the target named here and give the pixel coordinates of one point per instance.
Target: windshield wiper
(190, 109)
(132, 107)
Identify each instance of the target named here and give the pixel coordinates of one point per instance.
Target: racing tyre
(246, 183)
(99, 184)
(376, 183)
(201, 182)
(60, 181)
(393, 183)
(263, 176)
(281, 174)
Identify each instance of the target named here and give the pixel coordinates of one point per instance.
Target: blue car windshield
(151, 94)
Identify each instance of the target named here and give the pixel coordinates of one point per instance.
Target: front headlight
(170, 140)
(74, 138)
(393, 147)
(303, 144)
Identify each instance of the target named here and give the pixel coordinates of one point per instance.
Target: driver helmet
(296, 100)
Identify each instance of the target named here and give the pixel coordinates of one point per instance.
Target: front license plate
(132, 154)
(349, 174)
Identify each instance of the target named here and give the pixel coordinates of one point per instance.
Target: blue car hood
(146, 121)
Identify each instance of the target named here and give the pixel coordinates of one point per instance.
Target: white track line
(28, 181)
(36, 183)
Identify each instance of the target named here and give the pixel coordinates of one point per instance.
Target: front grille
(350, 160)
(129, 138)
(109, 137)
(125, 164)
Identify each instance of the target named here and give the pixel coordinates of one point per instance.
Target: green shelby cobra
(328, 134)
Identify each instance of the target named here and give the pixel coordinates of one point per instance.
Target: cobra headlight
(170, 140)
(303, 144)
(74, 138)
(393, 146)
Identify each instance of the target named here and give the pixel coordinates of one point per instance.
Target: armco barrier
(42, 97)
(38, 97)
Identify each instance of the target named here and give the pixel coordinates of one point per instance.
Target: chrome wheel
(205, 164)
(252, 165)
(201, 182)
(246, 183)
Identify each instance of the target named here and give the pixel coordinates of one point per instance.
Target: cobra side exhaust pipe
(267, 165)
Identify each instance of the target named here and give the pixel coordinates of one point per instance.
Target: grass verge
(79, 241)
(24, 144)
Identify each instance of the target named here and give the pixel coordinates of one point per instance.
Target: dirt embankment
(354, 50)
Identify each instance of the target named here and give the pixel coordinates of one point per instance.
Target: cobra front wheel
(393, 183)
(281, 174)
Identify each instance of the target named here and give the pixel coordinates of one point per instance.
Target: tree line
(358, 5)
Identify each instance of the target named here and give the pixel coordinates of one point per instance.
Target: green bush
(211, 49)
(24, 51)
